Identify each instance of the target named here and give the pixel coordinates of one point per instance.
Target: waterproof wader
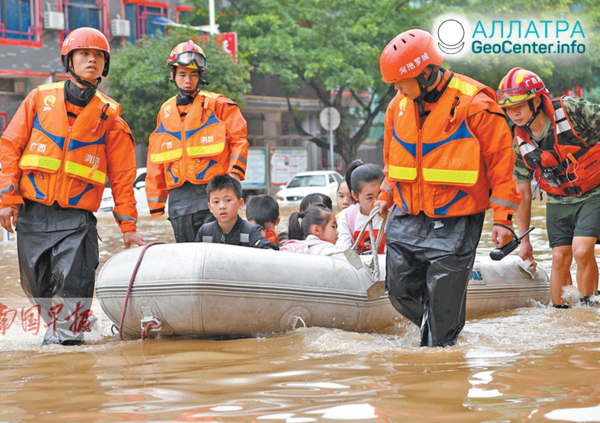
(187, 226)
(188, 211)
(58, 257)
(429, 263)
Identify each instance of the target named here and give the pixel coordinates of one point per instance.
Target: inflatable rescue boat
(214, 289)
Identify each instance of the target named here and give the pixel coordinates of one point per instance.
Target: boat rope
(150, 326)
(133, 275)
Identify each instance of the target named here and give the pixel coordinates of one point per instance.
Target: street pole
(331, 141)
(211, 17)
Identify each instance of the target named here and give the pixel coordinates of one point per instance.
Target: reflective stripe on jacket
(576, 165)
(55, 162)
(81, 153)
(445, 167)
(210, 140)
(201, 135)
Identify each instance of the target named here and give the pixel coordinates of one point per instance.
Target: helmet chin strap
(187, 92)
(536, 112)
(201, 81)
(426, 83)
(86, 84)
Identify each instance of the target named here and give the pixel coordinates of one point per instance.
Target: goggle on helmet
(514, 96)
(519, 85)
(188, 55)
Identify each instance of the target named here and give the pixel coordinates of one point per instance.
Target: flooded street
(529, 364)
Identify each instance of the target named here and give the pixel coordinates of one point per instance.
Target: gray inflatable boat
(213, 289)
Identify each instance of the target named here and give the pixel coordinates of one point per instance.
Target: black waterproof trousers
(188, 210)
(429, 263)
(186, 227)
(58, 257)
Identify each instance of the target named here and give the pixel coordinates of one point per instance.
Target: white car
(304, 183)
(139, 190)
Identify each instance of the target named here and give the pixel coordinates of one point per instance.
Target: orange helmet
(188, 55)
(520, 85)
(85, 38)
(407, 55)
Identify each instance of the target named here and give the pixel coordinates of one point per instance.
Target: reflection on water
(537, 364)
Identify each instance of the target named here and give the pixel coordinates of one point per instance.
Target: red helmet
(407, 55)
(85, 38)
(520, 85)
(188, 55)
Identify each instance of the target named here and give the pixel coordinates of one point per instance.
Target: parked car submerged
(139, 190)
(304, 183)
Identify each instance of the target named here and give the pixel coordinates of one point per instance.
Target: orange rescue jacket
(45, 159)
(448, 166)
(574, 165)
(210, 140)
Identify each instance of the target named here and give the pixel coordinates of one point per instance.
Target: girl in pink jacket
(312, 232)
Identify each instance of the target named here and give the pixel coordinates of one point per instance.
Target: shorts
(565, 221)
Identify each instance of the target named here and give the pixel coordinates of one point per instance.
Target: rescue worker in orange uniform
(64, 142)
(556, 142)
(198, 135)
(448, 158)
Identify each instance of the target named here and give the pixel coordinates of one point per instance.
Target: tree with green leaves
(139, 77)
(333, 47)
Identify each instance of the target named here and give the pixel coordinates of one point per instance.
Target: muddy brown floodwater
(530, 364)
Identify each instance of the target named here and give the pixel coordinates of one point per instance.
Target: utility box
(120, 28)
(54, 20)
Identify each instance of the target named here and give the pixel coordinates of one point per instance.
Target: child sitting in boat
(263, 210)
(344, 197)
(312, 232)
(364, 181)
(224, 201)
(315, 198)
(309, 200)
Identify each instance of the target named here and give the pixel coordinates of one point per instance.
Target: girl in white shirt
(365, 181)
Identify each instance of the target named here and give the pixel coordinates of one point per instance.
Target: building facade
(32, 32)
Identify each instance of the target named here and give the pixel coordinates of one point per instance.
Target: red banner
(227, 41)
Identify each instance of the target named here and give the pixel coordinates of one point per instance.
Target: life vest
(572, 166)
(67, 165)
(243, 233)
(240, 234)
(438, 168)
(272, 236)
(192, 151)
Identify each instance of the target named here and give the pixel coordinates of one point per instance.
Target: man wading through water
(557, 142)
(63, 143)
(448, 158)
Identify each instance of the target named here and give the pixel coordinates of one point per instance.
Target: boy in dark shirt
(224, 201)
(263, 210)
